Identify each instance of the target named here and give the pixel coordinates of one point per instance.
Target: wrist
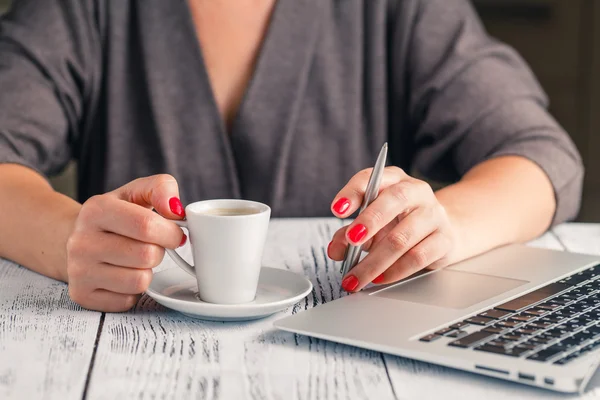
(65, 217)
(459, 241)
(458, 226)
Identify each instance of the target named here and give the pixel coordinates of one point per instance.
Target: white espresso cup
(227, 239)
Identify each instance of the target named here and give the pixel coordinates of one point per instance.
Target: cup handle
(181, 263)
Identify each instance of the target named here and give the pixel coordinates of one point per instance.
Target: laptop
(518, 313)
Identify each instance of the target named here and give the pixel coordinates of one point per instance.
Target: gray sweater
(121, 87)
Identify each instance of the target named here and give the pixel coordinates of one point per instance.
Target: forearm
(35, 222)
(503, 200)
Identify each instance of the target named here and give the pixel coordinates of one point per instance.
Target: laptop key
(546, 354)
(577, 307)
(569, 342)
(496, 329)
(506, 351)
(459, 325)
(561, 301)
(511, 337)
(588, 288)
(536, 312)
(444, 331)
(531, 298)
(593, 314)
(557, 333)
(592, 271)
(581, 337)
(499, 342)
(572, 296)
(527, 332)
(456, 333)
(552, 319)
(540, 339)
(565, 312)
(548, 306)
(594, 329)
(479, 321)
(494, 314)
(538, 325)
(530, 345)
(587, 303)
(565, 360)
(574, 324)
(522, 317)
(472, 339)
(580, 277)
(508, 324)
(575, 279)
(590, 334)
(430, 338)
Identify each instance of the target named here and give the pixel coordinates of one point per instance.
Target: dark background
(560, 39)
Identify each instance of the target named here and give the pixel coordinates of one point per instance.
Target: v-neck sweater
(121, 87)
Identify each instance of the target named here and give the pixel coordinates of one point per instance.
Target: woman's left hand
(405, 229)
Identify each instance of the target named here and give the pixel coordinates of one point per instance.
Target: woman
(276, 101)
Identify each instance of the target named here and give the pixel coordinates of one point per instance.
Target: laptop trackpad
(449, 288)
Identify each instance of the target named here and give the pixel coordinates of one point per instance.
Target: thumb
(160, 192)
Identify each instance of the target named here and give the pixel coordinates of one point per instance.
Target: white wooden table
(51, 348)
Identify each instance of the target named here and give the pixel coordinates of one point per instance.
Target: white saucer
(277, 289)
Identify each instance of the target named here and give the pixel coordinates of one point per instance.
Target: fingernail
(183, 240)
(349, 283)
(341, 206)
(379, 279)
(176, 207)
(329, 247)
(357, 233)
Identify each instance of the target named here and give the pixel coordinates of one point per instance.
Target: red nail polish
(176, 207)
(379, 279)
(357, 233)
(329, 247)
(349, 283)
(183, 240)
(341, 206)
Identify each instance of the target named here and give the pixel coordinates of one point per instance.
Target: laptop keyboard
(556, 323)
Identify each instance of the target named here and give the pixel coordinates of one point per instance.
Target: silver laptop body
(395, 318)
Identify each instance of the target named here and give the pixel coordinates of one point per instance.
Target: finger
(429, 253)
(160, 192)
(411, 230)
(114, 249)
(398, 199)
(336, 249)
(102, 300)
(126, 219)
(349, 199)
(112, 278)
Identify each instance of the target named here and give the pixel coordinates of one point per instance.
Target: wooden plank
(580, 238)
(46, 340)
(156, 353)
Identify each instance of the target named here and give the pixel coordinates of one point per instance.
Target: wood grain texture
(46, 340)
(152, 352)
(579, 238)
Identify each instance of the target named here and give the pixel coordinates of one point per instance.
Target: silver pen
(353, 252)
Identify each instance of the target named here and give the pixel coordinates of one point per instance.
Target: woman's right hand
(118, 239)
